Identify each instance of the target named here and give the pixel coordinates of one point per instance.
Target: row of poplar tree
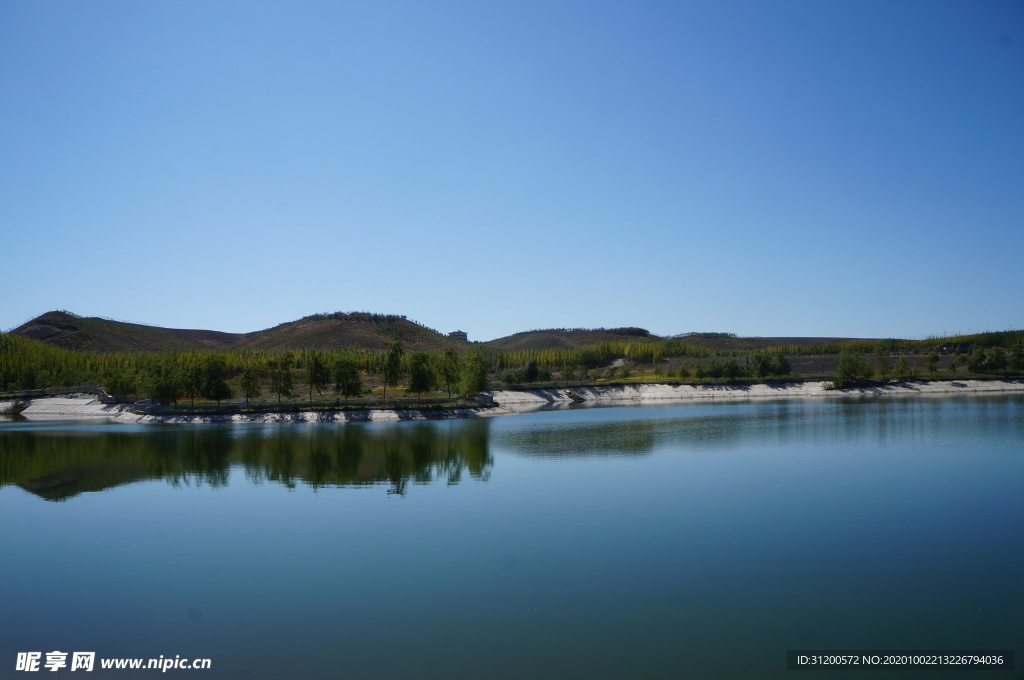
(173, 377)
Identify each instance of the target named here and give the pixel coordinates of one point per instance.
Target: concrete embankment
(87, 406)
(84, 406)
(528, 400)
(75, 406)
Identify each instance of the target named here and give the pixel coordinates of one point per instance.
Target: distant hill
(561, 338)
(725, 342)
(93, 334)
(319, 331)
(356, 329)
(341, 330)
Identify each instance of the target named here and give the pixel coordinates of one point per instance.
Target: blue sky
(767, 168)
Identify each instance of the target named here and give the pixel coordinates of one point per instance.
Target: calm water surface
(647, 542)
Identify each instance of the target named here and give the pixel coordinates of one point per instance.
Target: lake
(682, 540)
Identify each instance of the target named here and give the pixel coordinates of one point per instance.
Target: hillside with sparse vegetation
(564, 338)
(370, 360)
(344, 330)
(339, 330)
(94, 334)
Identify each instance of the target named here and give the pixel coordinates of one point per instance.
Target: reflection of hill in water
(59, 465)
(622, 438)
(696, 429)
(711, 427)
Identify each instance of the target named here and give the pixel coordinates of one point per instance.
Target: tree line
(854, 366)
(217, 375)
(761, 366)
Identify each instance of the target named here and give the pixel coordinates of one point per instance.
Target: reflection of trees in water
(207, 452)
(421, 453)
(777, 423)
(884, 421)
(630, 437)
(59, 465)
(636, 437)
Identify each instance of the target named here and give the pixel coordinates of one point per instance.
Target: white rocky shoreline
(509, 402)
(91, 407)
(651, 393)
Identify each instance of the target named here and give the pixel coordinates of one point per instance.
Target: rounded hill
(562, 338)
(318, 331)
(354, 329)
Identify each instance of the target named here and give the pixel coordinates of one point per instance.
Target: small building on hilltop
(459, 335)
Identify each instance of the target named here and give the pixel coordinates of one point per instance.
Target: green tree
(977, 363)
(252, 384)
(883, 367)
(996, 361)
(901, 367)
(932, 363)
(163, 383)
(474, 373)
(215, 380)
(347, 380)
(448, 365)
(318, 373)
(763, 365)
(700, 372)
(569, 373)
(69, 377)
(29, 377)
(684, 371)
(119, 382)
(394, 367)
(422, 378)
(279, 372)
(192, 378)
(732, 370)
(530, 371)
(715, 369)
(955, 363)
(781, 367)
(1017, 358)
(852, 366)
(511, 378)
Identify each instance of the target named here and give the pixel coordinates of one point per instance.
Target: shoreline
(522, 400)
(511, 402)
(88, 407)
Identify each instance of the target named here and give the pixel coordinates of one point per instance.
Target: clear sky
(787, 167)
